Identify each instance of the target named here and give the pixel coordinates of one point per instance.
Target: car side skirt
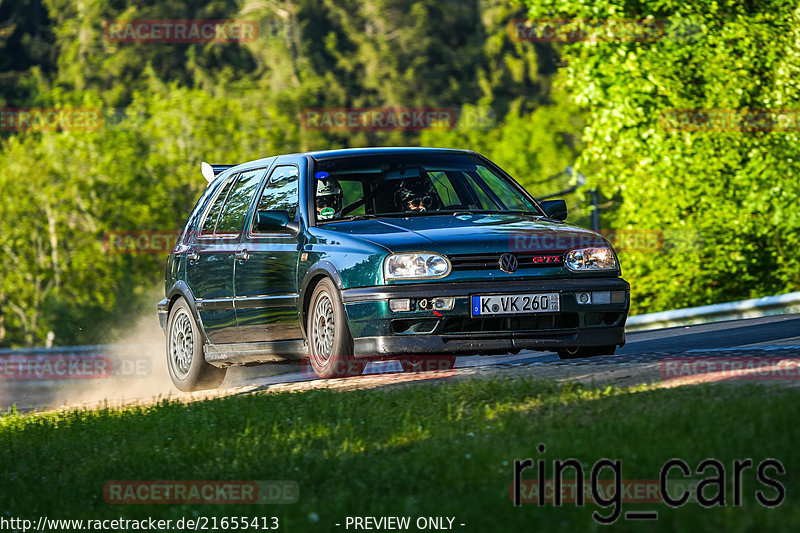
(237, 354)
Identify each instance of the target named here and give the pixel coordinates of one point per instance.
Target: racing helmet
(416, 194)
(329, 199)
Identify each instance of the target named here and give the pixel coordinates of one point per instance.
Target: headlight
(584, 259)
(415, 265)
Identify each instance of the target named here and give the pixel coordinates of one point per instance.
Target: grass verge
(417, 451)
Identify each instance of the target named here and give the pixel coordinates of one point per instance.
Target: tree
(723, 200)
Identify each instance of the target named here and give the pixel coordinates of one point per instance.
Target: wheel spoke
(323, 327)
(181, 345)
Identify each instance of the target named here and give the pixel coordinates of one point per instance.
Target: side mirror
(555, 209)
(275, 221)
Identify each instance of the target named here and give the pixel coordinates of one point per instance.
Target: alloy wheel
(324, 327)
(181, 344)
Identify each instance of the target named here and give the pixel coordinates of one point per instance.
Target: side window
(232, 217)
(210, 222)
(280, 192)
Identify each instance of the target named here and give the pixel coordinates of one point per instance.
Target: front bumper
(377, 331)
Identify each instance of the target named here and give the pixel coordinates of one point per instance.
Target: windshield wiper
(528, 214)
(496, 212)
(367, 216)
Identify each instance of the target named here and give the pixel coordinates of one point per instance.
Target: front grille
(554, 321)
(492, 261)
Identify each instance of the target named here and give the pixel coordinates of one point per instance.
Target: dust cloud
(129, 369)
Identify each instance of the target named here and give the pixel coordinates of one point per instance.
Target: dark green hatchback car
(412, 254)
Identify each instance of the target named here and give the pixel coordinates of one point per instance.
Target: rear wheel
(185, 359)
(330, 345)
(427, 364)
(586, 351)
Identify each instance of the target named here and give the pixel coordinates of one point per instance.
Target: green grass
(443, 450)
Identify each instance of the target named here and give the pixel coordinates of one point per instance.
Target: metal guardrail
(96, 349)
(783, 304)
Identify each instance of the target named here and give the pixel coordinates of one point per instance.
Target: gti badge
(508, 263)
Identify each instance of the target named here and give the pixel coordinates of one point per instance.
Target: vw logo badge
(508, 263)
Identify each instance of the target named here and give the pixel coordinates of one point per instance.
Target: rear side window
(280, 192)
(232, 217)
(210, 222)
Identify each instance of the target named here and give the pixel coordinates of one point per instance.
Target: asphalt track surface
(759, 337)
(756, 336)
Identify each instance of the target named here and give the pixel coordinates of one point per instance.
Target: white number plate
(515, 304)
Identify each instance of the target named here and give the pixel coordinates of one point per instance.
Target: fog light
(443, 304)
(400, 304)
(601, 297)
(583, 298)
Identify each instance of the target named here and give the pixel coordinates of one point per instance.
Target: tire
(330, 347)
(586, 351)
(185, 359)
(427, 364)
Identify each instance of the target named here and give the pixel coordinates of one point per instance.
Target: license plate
(515, 304)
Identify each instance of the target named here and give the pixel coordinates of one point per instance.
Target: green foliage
(63, 193)
(726, 201)
(169, 106)
(532, 147)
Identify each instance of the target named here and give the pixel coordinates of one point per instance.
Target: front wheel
(586, 351)
(330, 345)
(427, 364)
(185, 360)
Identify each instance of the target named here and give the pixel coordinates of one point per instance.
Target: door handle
(192, 256)
(242, 255)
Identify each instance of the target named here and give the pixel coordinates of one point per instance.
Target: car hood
(469, 234)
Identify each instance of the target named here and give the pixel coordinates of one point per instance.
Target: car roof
(348, 152)
(343, 152)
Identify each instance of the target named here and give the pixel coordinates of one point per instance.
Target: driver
(329, 199)
(416, 195)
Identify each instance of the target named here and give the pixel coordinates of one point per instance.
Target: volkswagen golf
(413, 254)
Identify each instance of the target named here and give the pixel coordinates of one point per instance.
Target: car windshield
(413, 184)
